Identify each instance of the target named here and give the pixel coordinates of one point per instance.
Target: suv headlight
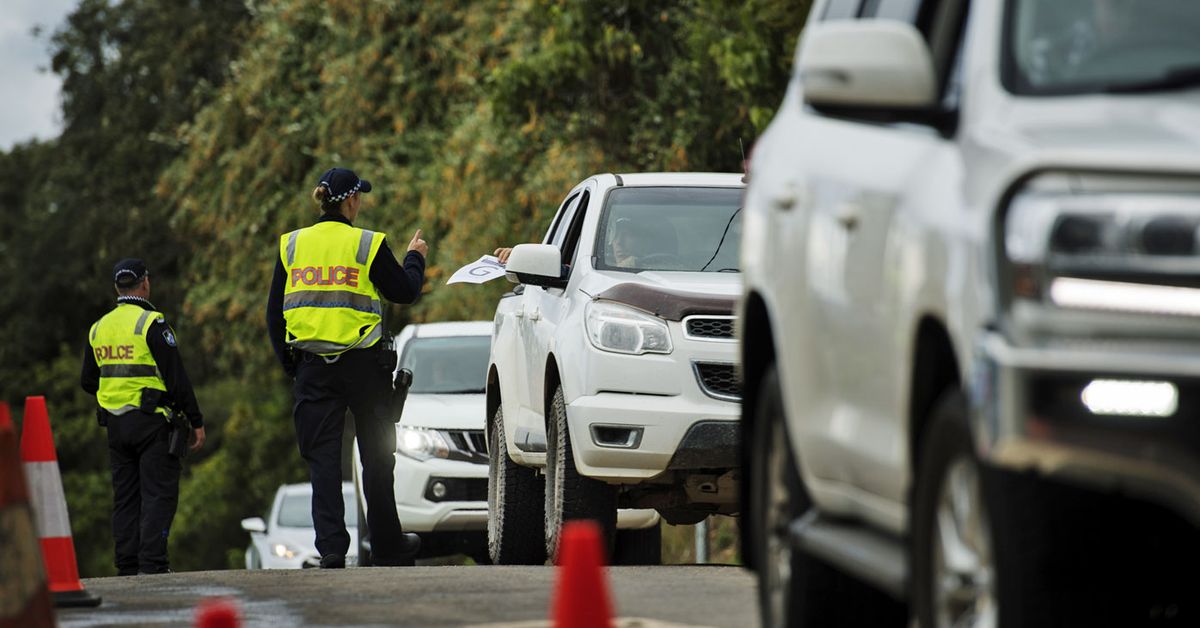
(622, 329)
(419, 443)
(1119, 251)
(284, 551)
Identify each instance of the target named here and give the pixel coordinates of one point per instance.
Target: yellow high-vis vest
(126, 365)
(329, 303)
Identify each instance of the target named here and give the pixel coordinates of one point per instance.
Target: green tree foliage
(194, 138)
(132, 73)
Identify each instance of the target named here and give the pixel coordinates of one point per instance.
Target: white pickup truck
(972, 280)
(612, 385)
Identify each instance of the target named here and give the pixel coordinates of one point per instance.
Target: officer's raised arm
(396, 283)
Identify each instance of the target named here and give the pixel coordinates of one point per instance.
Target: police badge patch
(169, 336)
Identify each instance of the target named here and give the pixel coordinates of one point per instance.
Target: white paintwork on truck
(599, 386)
(845, 312)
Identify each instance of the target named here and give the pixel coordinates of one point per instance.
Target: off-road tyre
(569, 495)
(797, 590)
(516, 495)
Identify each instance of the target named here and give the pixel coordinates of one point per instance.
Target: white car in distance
(286, 540)
(441, 454)
(612, 380)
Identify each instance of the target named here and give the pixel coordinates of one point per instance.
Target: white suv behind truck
(612, 381)
(972, 355)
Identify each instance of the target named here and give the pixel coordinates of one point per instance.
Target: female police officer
(324, 317)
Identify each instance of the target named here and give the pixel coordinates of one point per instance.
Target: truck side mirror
(877, 64)
(536, 265)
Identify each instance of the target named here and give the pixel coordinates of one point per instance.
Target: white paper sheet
(481, 270)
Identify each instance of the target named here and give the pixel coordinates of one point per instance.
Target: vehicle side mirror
(535, 265)
(878, 64)
(254, 524)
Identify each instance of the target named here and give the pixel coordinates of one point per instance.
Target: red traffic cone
(50, 507)
(216, 612)
(27, 600)
(581, 597)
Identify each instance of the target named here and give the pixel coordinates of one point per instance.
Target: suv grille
(467, 445)
(709, 327)
(719, 380)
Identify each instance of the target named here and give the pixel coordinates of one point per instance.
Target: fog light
(438, 489)
(1131, 398)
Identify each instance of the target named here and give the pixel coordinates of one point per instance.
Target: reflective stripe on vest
(329, 303)
(119, 345)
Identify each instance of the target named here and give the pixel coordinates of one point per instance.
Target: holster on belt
(400, 392)
(177, 439)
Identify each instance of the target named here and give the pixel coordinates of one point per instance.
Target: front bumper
(462, 507)
(1028, 414)
(661, 424)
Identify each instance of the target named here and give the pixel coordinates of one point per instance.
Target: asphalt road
(689, 595)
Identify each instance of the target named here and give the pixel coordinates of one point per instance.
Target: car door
(549, 306)
(530, 358)
(865, 264)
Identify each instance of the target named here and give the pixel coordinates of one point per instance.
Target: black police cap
(129, 272)
(341, 183)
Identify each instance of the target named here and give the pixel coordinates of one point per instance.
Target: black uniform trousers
(145, 490)
(360, 380)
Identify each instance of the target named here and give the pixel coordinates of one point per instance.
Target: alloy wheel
(963, 567)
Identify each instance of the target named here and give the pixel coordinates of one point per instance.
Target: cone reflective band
(24, 598)
(50, 507)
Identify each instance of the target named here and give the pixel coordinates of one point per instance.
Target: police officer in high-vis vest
(325, 320)
(133, 367)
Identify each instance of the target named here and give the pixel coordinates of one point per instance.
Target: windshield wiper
(462, 391)
(1178, 77)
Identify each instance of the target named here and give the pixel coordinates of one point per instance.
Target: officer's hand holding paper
(482, 270)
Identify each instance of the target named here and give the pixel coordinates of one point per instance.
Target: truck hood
(711, 284)
(455, 412)
(1152, 132)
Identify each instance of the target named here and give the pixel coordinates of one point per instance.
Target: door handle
(848, 215)
(519, 314)
(535, 315)
(789, 197)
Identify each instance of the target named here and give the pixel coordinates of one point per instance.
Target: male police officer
(324, 316)
(133, 367)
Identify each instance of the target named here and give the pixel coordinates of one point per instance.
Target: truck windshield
(1102, 46)
(447, 365)
(670, 228)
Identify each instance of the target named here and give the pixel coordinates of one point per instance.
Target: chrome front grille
(709, 327)
(718, 380)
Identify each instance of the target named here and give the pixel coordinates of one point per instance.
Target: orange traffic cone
(581, 597)
(218, 613)
(50, 506)
(26, 599)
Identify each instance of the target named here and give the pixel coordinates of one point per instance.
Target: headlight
(284, 551)
(1119, 251)
(421, 444)
(621, 329)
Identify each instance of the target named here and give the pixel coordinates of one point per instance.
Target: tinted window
(447, 365)
(904, 10)
(670, 228)
(296, 511)
(559, 229)
(841, 9)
